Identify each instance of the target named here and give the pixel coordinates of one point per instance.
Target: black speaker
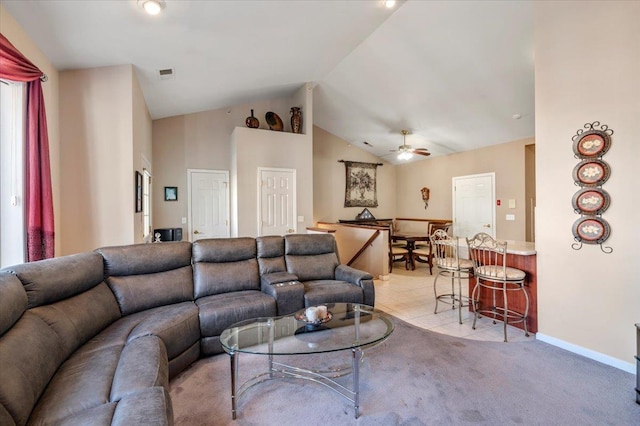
(168, 234)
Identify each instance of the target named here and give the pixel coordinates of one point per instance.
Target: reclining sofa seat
(313, 258)
(68, 357)
(227, 287)
(153, 284)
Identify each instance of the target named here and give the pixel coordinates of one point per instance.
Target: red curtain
(38, 197)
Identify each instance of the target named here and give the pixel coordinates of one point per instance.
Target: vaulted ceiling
(453, 73)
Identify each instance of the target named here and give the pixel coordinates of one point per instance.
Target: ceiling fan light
(405, 155)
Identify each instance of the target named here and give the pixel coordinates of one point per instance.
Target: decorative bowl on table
(313, 315)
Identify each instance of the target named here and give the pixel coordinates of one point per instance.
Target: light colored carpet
(418, 377)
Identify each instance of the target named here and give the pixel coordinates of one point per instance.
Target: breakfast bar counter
(520, 255)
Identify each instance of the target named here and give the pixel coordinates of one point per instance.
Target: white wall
(587, 57)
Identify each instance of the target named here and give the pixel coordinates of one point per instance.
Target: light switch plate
(512, 204)
(511, 217)
(300, 219)
(184, 220)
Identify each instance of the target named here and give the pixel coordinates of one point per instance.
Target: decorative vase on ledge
(252, 122)
(296, 120)
(274, 121)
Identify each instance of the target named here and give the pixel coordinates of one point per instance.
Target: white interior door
(474, 205)
(208, 204)
(276, 201)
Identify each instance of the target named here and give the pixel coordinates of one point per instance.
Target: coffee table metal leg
(356, 356)
(234, 378)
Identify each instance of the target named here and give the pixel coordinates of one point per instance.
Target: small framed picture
(171, 193)
(138, 192)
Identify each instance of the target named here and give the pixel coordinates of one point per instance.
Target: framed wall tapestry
(360, 188)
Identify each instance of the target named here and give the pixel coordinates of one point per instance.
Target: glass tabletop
(351, 326)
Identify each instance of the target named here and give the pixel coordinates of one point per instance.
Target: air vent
(166, 74)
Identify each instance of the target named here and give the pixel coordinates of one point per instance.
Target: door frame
(189, 221)
(294, 212)
(492, 175)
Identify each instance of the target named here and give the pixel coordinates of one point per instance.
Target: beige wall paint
(399, 186)
(263, 148)
(530, 191)
(203, 141)
(142, 144)
(329, 179)
(16, 35)
(96, 158)
(587, 298)
(506, 160)
(169, 169)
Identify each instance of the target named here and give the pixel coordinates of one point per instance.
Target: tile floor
(409, 296)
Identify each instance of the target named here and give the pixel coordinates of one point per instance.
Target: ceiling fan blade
(421, 151)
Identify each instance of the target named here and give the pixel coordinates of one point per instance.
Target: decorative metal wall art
(360, 187)
(590, 174)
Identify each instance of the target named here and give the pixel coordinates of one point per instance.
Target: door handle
(290, 231)
(195, 232)
(488, 225)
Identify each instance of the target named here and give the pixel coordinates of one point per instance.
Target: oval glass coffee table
(351, 327)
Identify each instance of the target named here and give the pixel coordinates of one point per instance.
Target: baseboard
(596, 356)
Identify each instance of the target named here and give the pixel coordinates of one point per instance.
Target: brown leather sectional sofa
(94, 338)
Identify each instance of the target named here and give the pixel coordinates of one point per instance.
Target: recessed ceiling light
(152, 7)
(516, 116)
(389, 3)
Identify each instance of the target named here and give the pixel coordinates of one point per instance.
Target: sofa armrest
(286, 289)
(277, 277)
(358, 277)
(352, 275)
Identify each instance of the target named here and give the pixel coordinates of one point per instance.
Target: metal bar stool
(446, 257)
(491, 271)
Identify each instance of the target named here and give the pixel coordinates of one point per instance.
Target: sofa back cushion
(144, 276)
(13, 302)
(68, 293)
(69, 304)
(270, 254)
(51, 280)
(30, 353)
(311, 256)
(223, 265)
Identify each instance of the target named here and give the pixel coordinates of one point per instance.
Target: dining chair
(395, 228)
(446, 255)
(423, 252)
(396, 253)
(491, 272)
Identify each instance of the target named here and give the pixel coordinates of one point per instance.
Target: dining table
(411, 238)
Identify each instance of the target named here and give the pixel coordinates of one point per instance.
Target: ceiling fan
(405, 151)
